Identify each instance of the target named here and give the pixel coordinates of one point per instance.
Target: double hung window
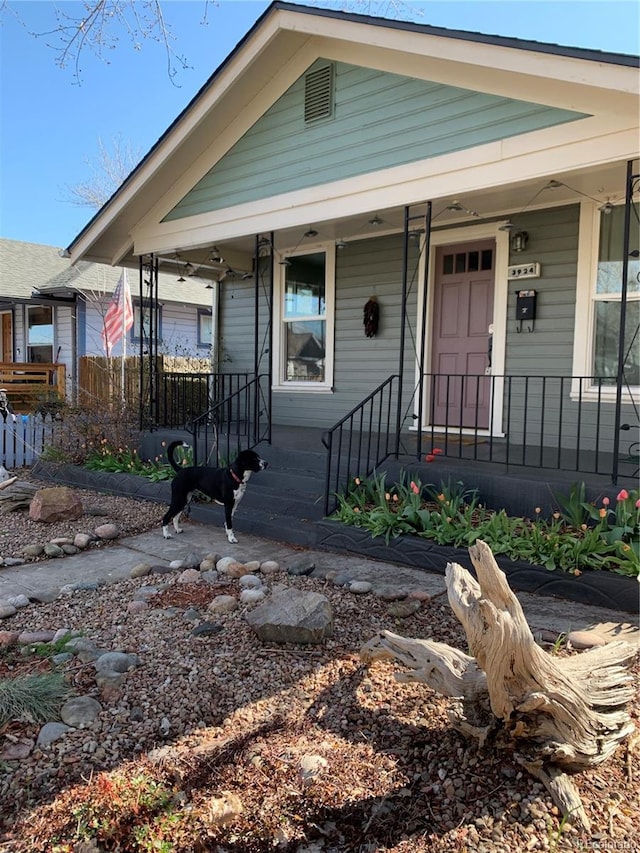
(305, 351)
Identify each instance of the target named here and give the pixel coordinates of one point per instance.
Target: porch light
(606, 208)
(455, 205)
(340, 244)
(506, 226)
(285, 262)
(376, 220)
(311, 233)
(519, 241)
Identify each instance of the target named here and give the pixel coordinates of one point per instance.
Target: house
(52, 312)
(484, 189)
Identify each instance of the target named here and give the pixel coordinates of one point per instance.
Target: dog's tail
(170, 452)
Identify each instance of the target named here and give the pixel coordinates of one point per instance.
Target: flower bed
(581, 553)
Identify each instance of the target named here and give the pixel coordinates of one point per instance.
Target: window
(204, 327)
(40, 334)
(135, 329)
(305, 327)
(607, 300)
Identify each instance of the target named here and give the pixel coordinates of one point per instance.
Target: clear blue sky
(50, 126)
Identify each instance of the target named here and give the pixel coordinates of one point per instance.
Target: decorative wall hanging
(371, 317)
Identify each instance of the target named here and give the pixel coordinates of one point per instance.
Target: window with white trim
(304, 351)
(607, 300)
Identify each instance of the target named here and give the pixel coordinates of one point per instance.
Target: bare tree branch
(98, 25)
(108, 170)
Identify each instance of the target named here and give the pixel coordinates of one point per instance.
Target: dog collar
(235, 476)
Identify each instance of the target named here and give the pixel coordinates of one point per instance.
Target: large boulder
(292, 616)
(55, 504)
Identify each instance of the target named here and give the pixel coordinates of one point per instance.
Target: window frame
(279, 362)
(134, 331)
(30, 346)
(202, 344)
(585, 312)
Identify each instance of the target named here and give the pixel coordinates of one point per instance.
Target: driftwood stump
(562, 714)
(15, 494)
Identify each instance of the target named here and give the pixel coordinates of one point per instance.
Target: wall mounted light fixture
(519, 241)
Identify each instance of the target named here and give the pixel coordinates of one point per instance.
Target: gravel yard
(221, 742)
(131, 516)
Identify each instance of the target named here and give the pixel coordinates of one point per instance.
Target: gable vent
(318, 93)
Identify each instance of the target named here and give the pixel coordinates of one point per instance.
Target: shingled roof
(29, 267)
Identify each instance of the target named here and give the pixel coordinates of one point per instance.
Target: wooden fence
(101, 378)
(23, 440)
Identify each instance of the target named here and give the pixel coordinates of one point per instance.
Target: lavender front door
(463, 311)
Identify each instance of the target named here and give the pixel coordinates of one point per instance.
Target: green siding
(369, 267)
(381, 120)
(553, 242)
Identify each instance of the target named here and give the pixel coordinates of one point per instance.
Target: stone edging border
(602, 589)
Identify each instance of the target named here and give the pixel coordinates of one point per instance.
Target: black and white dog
(225, 486)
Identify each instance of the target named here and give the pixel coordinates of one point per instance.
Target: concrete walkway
(43, 581)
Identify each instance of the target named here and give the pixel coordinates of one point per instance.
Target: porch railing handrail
(559, 422)
(239, 421)
(365, 436)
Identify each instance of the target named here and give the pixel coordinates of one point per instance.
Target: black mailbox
(526, 308)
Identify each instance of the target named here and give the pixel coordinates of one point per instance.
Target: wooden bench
(29, 384)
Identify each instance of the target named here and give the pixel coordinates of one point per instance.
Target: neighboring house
(53, 312)
(482, 188)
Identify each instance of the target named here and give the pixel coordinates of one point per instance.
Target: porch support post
(153, 339)
(423, 322)
(256, 309)
(270, 352)
(631, 178)
(140, 347)
(403, 323)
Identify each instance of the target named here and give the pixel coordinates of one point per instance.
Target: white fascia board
(496, 164)
(612, 89)
(450, 54)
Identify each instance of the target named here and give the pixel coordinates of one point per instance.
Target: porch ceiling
(602, 184)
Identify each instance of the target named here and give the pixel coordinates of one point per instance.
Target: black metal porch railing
(361, 440)
(552, 422)
(237, 422)
(183, 397)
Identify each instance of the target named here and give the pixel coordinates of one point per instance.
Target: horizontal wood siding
(178, 330)
(548, 349)
(553, 242)
(381, 120)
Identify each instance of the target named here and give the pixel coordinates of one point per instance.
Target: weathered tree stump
(562, 714)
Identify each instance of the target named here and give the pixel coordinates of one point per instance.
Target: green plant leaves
(581, 536)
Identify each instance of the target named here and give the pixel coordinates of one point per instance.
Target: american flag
(119, 316)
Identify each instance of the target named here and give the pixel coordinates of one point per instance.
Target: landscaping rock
(106, 531)
(80, 711)
(585, 639)
(292, 616)
(223, 604)
(33, 550)
(55, 504)
(82, 540)
(51, 732)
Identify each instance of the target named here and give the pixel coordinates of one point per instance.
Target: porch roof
(286, 39)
